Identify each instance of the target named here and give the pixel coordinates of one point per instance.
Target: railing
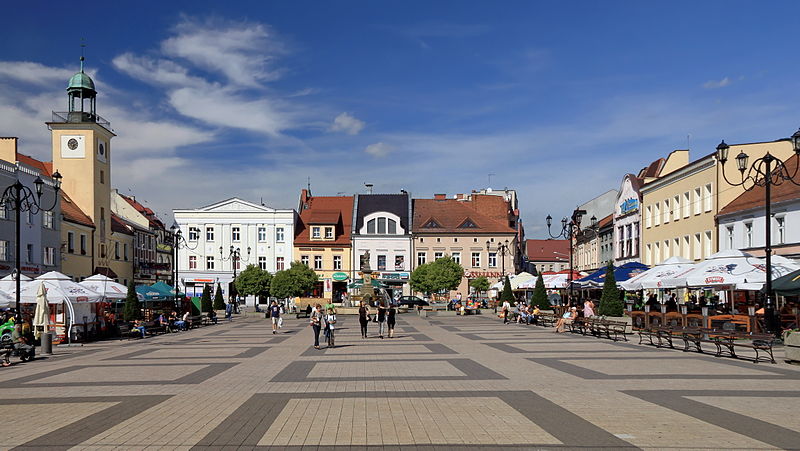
(78, 117)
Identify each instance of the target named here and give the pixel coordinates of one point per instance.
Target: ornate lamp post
(570, 228)
(503, 250)
(234, 256)
(21, 198)
(765, 171)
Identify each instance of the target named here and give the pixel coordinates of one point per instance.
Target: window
(648, 216)
(657, 253)
(116, 250)
(337, 262)
(125, 251)
(707, 198)
(209, 234)
(422, 258)
(649, 254)
(666, 249)
(382, 262)
(667, 211)
(676, 208)
(698, 201)
(102, 177)
(192, 262)
(194, 234)
(399, 262)
(656, 214)
(371, 226)
(328, 233)
(748, 234)
(304, 260)
(279, 263)
(71, 242)
(687, 204)
(457, 257)
(29, 253)
(381, 225)
(3, 250)
(730, 236)
(236, 234)
(262, 263)
(392, 227)
(49, 256)
(3, 211)
(780, 229)
(635, 232)
(262, 234)
(29, 216)
(238, 264)
(209, 262)
(676, 247)
(476, 259)
(697, 247)
(709, 245)
(318, 262)
(686, 249)
(83, 244)
(47, 219)
(279, 234)
(437, 255)
(492, 259)
(315, 232)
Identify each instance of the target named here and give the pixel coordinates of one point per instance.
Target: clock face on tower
(73, 146)
(102, 152)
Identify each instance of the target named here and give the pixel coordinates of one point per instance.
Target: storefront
(396, 282)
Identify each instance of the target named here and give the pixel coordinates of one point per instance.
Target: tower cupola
(79, 90)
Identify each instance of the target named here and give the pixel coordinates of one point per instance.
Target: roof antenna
(490, 179)
(369, 187)
(308, 185)
(83, 46)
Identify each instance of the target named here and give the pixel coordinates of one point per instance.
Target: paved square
(446, 383)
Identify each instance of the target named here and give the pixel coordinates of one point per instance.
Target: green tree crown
(507, 294)
(610, 302)
(131, 311)
(540, 294)
(298, 280)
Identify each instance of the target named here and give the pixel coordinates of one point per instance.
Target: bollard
(47, 343)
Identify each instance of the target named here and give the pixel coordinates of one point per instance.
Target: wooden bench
(154, 328)
(547, 319)
(727, 341)
(125, 330)
(658, 336)
(618, 328)
(195, 321)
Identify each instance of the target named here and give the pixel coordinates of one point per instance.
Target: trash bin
(47, 343)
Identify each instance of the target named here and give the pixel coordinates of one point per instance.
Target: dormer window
(315, 233)
(431, 224)
(381, 223)
(328, 233)
(468, 224)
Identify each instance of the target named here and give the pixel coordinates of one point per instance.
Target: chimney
(8, 150)
(440, 196)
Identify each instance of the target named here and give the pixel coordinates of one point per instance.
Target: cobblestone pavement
(442, 383)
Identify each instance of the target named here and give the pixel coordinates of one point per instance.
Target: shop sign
(339, 276)
(629, 206)
(487, 274)
(715, 279)
(393, 275)
(200, 280)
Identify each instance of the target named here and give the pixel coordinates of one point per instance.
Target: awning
(358, 283)
(621, 273)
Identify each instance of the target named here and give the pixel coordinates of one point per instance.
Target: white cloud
(36, 73)
(378, 150)
(714, 84)
(347, 123)
(156, 71)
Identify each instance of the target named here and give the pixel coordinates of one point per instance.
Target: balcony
(77, 117)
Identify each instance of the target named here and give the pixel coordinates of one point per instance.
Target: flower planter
(791, 345)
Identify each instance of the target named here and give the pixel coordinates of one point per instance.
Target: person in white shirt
(330, 321)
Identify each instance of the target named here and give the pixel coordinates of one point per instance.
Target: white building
(627, 221)
(382, 226)
(262, 235)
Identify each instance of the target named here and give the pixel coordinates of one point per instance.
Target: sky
(556, 99)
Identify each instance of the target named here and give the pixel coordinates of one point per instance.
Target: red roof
(118, 225)
(72, 213)
(547, 250)
(755, 198)
(45, 168)
(146, 212)
(457, 216)
(328, 210)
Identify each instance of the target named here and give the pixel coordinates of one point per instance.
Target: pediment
(238, 205)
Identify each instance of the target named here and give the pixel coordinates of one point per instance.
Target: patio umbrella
(9, 284)
(523, 281)
(655, 276)
(41, 317)
(147, 293)
(621, 273)
(105, 286)
(60, 288)
(728, 267)
(6, 300)
(788, 285)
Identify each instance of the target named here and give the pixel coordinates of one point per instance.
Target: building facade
(322, 241)
(627, 221)
(382, 225)
(587, 246)
(262, 235)
(547, 256)
(464, 229)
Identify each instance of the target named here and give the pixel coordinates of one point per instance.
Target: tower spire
(83, 46)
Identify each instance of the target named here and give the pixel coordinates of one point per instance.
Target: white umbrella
(41, 317)
(657, 276)
(518, 281)
(105, 286)
(6, 300)
(60, 288)
(9, 283)
(729, 267)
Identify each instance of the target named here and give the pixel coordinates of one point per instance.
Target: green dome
(80, 81)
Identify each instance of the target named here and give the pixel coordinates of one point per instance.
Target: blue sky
(556, 99)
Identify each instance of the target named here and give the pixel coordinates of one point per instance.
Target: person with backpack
(275, 315)
(330, 321)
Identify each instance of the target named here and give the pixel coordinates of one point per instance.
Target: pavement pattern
(442, 383)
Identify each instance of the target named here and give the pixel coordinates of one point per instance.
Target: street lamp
(570, 228)
(765, 171)
(21, 198)
(234, 255)
(503, 250)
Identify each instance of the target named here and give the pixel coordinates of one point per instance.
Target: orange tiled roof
(72, 213)
(755, 198)
(45, 168)
(547, 250)
(456, 216)
(118, 225)
(321, 210)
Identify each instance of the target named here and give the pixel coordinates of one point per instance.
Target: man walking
(275, 314)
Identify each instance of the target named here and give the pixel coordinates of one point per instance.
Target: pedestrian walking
(316, 323)
(588, 308)
(381, 319)
(275, 315)
(363, 318)
(330, 321)
(391, 318)
(506, 309)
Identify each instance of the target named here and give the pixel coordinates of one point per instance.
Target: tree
(205, 299)
(253, 281)
(219, 301)
(443, 274)
(480, 284)
(610, 303)
(507, 294)
(540, 295)
(131, 311)
(298, 280)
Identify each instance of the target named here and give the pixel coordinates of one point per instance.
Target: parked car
(412, 301)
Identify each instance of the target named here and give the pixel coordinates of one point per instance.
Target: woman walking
(363, 318)
(330, 320)
(381, 319)
(588, 309)
(316, 324)
(391, 318)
